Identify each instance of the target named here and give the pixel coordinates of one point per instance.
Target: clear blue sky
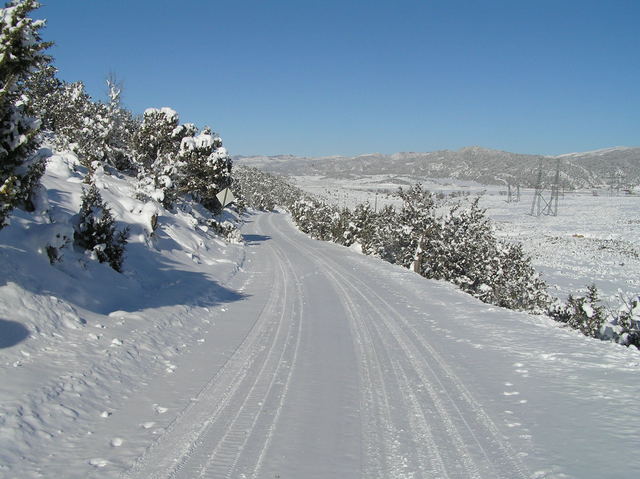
(347, 77)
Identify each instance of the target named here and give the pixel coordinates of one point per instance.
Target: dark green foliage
(42, 93)
(584, 313)
(96, 230)
(157, 138)
(95, 131)
(261, 191)
(362, 227)
(21, 53)
(628, 320)
(204, 169)
(587, 314)
(175, 161)
(225, 229)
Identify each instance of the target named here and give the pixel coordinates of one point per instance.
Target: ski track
(418, 420)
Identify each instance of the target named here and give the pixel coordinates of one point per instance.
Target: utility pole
(513, 197)
(615, 183)
(542, 205)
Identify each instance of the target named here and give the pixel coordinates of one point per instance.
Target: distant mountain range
(577, 170)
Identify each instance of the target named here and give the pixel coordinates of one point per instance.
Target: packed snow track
(320, 362)
(330, 381)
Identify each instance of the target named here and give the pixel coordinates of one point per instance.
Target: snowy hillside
(76, 337)
(578, 170)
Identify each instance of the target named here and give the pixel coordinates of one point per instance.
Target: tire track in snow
(224, 459)
(166, 456)
(382, 438)
(276, 417)
(478, 424)
(397, 461)
(219, 452)
(506, 463)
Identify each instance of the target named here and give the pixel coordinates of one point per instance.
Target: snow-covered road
(332, 381)
(338, 365)
(352, 368)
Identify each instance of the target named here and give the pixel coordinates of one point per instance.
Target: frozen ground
(594, 239)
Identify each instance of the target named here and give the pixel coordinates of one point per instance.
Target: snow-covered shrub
(262, 191)
(174, 160)
(225, 229)
(513, 281)
(96, 230)
(251, 188)
(204, 168)
(460, 247)
(95, 131)
(584, 313)
(361, 227)
(42, 96)
(340, 221)
(20, 55)
(587, 314)
(414, 223)
(384, 243)
(628, 321)
(157, 136)
(115, 126)
(319, 219)
(155, 145)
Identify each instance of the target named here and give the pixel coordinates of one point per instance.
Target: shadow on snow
(255, 239)
(12, 333)
(150, 280)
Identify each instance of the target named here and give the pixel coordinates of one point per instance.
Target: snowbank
(76, 337)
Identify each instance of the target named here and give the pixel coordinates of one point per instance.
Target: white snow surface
(282, 357)
(168, 112)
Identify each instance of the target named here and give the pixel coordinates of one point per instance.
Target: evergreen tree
(96, 230)
(156, 145)
(156, 138)
(362, 226)
(43, 96)
(21, 53)
(204, 168)
(584, 313)
(120, 127)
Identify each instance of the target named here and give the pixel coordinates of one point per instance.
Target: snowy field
(594, 239)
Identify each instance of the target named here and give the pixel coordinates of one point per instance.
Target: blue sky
(348, 77)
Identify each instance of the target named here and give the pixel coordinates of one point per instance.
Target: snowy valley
(282, 356)
(166, 312)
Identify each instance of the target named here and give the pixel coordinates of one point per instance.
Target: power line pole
(540, 204)
(513, 197)
(615, 183)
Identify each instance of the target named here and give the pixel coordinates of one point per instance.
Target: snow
(598, 152)
(594, 239)
(169, 113)
(200, 141)
(287, 357)
(77, 336)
